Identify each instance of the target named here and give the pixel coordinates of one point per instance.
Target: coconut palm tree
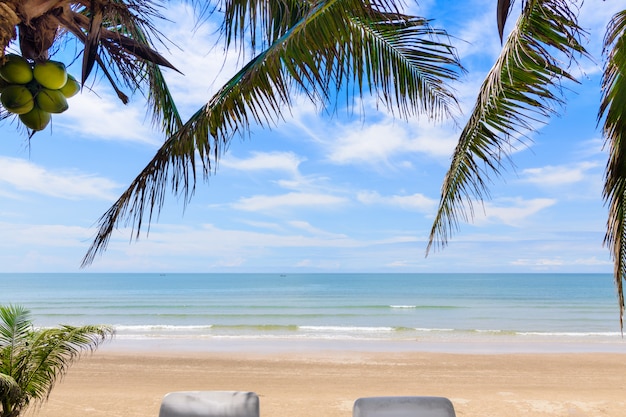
(296, 46)
(522, 91)
(116, 36)
(317, 47)
(320, 47)
(613, 118)
(32, 360)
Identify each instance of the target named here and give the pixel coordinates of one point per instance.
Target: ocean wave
(417, 336)
(257, 327)
(428, 330)
(422, 307)
(571, 334)
(167, 327)
(348, 329)
(313, 329)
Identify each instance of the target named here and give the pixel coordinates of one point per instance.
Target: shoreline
(119, 383)
(480, 344)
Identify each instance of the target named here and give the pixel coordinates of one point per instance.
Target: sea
(273, 312)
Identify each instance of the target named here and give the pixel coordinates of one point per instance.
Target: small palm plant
(32, 360)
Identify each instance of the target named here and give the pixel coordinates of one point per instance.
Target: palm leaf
(337, 43)
(613, 110)
(33, 360)
(15, 326)
(260, 22)
(51, 352)
(126, 49)
(92, 40)
(520, 91)
(503, 10)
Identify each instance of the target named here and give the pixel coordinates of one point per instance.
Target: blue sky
(315, 193)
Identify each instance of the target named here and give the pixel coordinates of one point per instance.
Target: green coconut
(16, 70)
(17, 99)
(71, 87)
(52, 101)
(36, 119)
(50, 74)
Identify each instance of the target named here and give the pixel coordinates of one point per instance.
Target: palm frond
(337, 43)
(613, 110)
(15, 326)
(405, 60)
(124, 49)
(14, 323)
(92, 40)
(521, 90)
(33, 360)
(52, 351)
(260, 22)
(503, 9)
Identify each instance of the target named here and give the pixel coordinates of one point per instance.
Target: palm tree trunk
(8, 21)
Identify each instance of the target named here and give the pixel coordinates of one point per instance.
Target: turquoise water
(414, 311)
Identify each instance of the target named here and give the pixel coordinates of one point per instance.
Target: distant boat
(283, 275)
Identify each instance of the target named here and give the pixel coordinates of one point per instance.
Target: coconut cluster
(35, 91)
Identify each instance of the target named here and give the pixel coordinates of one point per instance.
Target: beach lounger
(403, 407)
(210, 404)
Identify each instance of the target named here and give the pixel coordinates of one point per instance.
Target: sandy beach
(313, 384)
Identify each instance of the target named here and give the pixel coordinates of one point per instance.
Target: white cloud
(591, 148)
(102, 116)
(41, 236)
(204, 64)
(307, 227)
(289, 200)
(480, 36)
(210, 246)
(592, 261)
(389, 142)
(543, 262)
(437, 141)
(198, 240)
(415, 201)
(26, 176)
(558, 175)
(512, 212)
(263, 225)
(370, 144)
(304, 263)
(594, 17)
(260, 161)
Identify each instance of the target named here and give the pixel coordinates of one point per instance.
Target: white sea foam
(347, 329)
(422, 329)
(571, 334)
(165, 327)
